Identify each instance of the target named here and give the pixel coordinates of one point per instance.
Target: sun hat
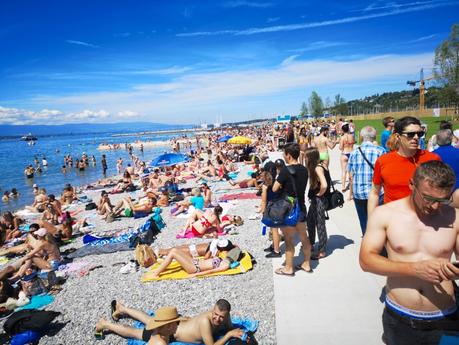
(41, 232)
(163, 316)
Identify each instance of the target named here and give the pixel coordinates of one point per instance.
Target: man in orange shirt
(394, 170)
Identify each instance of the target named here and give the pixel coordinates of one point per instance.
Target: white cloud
(289, 60)
(186, 97)
(423, 38)
(317, 46)
(383, 5)
(81, 43)
(162, 71)
(302, 26)
(272, 19)
(128, 113)
(16, 116)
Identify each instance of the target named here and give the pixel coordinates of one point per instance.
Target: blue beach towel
(37, 302)
(247, 325)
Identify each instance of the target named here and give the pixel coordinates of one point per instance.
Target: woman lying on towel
(201, 222)
(226, 255)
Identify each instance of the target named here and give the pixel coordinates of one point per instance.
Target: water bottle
(263, 230)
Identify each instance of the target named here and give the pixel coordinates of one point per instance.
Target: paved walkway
(339, 303)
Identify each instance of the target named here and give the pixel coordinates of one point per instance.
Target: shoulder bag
(282, 211)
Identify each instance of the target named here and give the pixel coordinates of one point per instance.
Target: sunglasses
(432, 200)
(410, 135)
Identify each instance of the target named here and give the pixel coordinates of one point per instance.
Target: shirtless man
(323, 143)
(346, 145)
(199, 329)
(420, 233)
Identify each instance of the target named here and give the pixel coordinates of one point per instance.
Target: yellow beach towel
(175, 271)
(3, 260)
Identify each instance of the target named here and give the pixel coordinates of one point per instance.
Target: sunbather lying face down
(197, 267)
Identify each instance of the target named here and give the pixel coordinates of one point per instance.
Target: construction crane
(422, 88)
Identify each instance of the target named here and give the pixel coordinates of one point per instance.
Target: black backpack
(29, 320)
(90, 206)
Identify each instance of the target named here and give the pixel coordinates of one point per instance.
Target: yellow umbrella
(240, 140)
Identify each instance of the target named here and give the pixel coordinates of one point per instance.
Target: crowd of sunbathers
(36, 244)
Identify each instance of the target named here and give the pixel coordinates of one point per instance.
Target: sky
(190, 62)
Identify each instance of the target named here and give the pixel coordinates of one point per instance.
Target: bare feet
(117, 311)
(100, 326)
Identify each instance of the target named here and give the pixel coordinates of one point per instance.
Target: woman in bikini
(346, 145)
(201, 222)
(303, 142)
(197, 267)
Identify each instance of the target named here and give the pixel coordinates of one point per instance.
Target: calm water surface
(15, 155)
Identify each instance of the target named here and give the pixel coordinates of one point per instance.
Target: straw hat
(164, 316)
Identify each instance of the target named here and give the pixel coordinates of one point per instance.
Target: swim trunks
(243, 184)
(54, 264)
(195, 232)
(324, 156)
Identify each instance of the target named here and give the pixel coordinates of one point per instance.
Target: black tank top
(313, 192)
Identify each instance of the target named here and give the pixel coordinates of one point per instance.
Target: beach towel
(187, 213)
(73, 267)
(3, 260)
(247, 325)
(27, 214)
(174, 271)
(96, 250)
(37, 302)
(239, 196)
(190, 234)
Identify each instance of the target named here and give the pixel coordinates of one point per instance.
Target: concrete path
(339, 303)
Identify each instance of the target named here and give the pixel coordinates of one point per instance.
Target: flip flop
(113, 309)
(99, 335)
(299, 268)
(281, 272)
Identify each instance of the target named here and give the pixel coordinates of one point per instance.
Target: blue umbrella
(224, 139)
(167, 159)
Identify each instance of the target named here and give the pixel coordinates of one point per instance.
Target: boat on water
(29, 137)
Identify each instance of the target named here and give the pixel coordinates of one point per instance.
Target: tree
(304, 109)
(328, 103)
(446, 64)
(339, 100)
(316, 106)
(340, 106)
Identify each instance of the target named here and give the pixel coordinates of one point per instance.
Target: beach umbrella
(240, 140)
(224, 139)
(168, 159)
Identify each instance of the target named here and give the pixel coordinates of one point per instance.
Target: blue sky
(194, 61)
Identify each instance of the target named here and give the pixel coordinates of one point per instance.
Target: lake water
(15, 155)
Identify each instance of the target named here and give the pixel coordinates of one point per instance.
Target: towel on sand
(175, 271)
(247, 325)
(239, 196)
(190, 234)
(38, 302)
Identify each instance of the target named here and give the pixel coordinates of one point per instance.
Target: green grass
(432, 123)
